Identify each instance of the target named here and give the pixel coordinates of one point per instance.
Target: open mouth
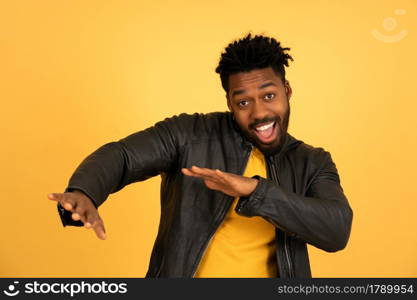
(266, 132)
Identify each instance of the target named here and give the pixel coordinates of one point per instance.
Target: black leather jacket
(301, 197)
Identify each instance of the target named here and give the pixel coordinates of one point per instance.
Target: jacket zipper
(276, 179)
(224, 213)
(287, 255)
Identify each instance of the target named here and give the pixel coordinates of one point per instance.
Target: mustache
(255, 123)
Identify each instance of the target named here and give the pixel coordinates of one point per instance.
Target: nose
(259, 110)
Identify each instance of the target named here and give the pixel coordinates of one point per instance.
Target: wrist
(252, 184)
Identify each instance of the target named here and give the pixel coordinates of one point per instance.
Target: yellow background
(77, 74)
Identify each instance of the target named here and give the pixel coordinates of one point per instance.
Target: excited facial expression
(259, 101)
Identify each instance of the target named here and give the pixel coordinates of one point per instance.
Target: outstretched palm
(228, 183)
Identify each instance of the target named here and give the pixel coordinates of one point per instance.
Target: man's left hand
(228, 183)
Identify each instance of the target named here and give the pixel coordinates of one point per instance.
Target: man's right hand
(82, 208)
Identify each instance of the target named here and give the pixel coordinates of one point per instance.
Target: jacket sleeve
(322, 217)
(134, 158)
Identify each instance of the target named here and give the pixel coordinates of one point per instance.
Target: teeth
(265, 127)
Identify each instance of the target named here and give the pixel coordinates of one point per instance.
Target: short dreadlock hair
(250, 53)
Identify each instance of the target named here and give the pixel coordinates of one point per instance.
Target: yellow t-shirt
(242, 246)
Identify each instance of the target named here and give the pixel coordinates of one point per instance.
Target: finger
(222, 175)
(99, 230)
(91, 218)
(81, 210)
(189, 172)
(64, 199)
(202, 170)
(52, 197)
(211, 174)
(205, 172)
(79, 215)
(219, 173)
(75, 217)
(94, 221)
(205, 177)
(212, 185)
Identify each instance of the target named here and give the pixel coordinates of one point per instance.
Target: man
(240, 197)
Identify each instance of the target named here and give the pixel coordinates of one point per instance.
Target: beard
(281, 127)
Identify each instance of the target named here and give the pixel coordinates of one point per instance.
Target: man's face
(259, 101)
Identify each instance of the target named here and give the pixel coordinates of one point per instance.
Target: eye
(269, 96)
(243, 103)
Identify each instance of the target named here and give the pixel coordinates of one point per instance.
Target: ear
(288, 89)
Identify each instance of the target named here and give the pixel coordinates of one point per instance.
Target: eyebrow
(242, 91)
